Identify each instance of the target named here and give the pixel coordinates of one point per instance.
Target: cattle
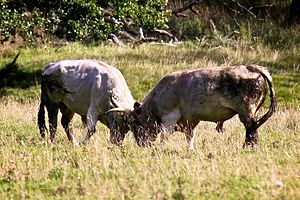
(89, 88)
(182, 99)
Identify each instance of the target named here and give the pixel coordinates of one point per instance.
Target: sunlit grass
(218, 168)
(143, 66)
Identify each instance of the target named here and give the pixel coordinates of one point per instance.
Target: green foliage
(188, 28)
(146, 14)
(74, 20)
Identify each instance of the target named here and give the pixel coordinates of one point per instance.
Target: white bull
(182, 99)
(88, 88)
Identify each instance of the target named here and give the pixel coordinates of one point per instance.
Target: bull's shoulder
(73, 66)
(47, 68)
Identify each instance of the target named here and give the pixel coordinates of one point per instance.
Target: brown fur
(210, 94)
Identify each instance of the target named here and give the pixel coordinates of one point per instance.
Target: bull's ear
(136, 105)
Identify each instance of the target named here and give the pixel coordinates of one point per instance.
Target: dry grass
(218, 168)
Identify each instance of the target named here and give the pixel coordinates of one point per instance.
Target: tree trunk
(294, 17)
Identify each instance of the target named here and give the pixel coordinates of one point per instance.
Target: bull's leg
(52, 115)
(219, 126)
(92, 118)
(67, 116)
(189, 129)
(168, 121)
(190, 136)
(164, 136)
(251, 140)
(84, 121)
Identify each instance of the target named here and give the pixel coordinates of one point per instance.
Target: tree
(294, 17)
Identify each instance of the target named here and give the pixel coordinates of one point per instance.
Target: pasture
(218, 168)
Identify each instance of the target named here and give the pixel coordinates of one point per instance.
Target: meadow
(218, 168)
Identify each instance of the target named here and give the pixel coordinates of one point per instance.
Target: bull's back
(86, 81)
(211, 94)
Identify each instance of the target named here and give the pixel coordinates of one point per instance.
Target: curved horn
(114, 100)
(124, 110)
(266, 75)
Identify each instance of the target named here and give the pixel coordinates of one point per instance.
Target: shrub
(77, 19)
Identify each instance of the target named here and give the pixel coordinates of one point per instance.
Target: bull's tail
(41, 113)
(266, 75)
(9, 68)
(14, 62)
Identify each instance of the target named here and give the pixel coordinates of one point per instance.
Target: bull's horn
(127, 111)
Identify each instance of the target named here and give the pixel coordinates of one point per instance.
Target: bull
(89, 88)
(182, 99)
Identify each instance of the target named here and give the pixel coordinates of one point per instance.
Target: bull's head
(144, 128)
(143, 125)
(118, 126)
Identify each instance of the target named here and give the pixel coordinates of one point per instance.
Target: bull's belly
(214, 114)
(79, 106)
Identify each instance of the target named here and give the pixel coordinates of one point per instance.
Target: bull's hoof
(43, 135)
(250, 146)
(75, 144)
(220, 130)
(83, 143)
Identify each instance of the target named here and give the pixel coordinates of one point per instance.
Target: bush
(77, 19)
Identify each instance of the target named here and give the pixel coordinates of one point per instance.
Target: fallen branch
(129, 28)
(164, 32)
(116, 40)
(164, 44)
(112, 20)
(141, 33)
(126, 35)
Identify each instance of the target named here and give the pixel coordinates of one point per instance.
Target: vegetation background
(158, 40)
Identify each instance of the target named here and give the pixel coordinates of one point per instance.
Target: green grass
(218, 168)
(143, 66)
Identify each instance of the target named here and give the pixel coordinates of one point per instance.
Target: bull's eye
(115, 97)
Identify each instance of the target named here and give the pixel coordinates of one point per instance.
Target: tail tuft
(41, 114)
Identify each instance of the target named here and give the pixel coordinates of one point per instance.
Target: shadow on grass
(11, 76)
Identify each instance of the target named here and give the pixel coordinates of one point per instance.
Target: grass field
(218, 168)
